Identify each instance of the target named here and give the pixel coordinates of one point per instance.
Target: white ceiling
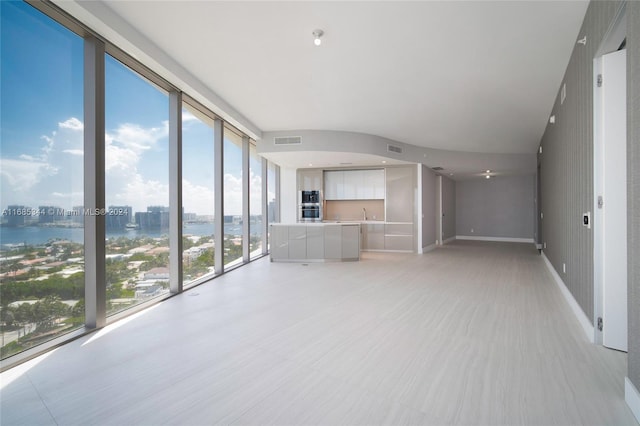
(477, 76)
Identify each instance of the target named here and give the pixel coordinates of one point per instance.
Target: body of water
(35, 235)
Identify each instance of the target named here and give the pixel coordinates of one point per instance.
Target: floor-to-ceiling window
(233, 191)
(41, 169)
(255, 203)
(43, 164)
(198, 180)
(136, 187)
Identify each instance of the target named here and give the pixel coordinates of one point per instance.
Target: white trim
(419, 214)
(429, 248)
(577, 310)
(502, 239)
(448, 240)
(632, 398)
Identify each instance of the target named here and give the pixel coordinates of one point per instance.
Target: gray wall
(567, 164)
(500, 207)
(567, 170)
(633, 196)
(429, 206)
(448, 208)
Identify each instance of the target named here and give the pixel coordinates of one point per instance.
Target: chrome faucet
(364, 214)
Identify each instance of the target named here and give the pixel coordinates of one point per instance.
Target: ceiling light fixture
(488, 171)
(488, 177)
(316, 37)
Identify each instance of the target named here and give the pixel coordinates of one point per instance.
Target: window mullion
(175, 192)
(246, 191)
(218, 135)
(94, 183)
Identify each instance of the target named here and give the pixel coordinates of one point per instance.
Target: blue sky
(41, 127)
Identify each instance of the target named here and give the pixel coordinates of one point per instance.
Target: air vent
(437, 169)
(396, 149)
(287, 140)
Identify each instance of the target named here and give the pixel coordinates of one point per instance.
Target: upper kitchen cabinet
(309, 179)
(334, 185)
(354, 184)
(401, 183)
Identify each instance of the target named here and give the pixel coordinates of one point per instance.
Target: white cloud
(120, 159)
(187, 117)
(22, 175)
(75, 195)
(52, 173)
(232, 194)
(197, 199)
(71, 124)
(137, 138)
(140, 193)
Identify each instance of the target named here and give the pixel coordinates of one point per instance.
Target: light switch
(586, 220)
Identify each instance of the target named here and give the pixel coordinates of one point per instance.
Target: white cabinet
(297, 242)
(398, 237)
(315, 242)
(373, 236)
(333, 242)
(401, 184)
(333, 185)
(354, 184)
(280, 242)
(377, 182)
(309, 179)
(350, 242)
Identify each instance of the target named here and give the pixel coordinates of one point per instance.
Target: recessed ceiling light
(384, 161)
(488, 171)
(488, 177)
(310, 164)
(317, 34)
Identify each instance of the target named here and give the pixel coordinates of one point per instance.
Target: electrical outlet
(544, 245)
(564, 268)
(472, 230)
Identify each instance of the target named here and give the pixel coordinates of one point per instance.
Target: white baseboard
(573, 304)
(632, 397)
(500, 239)
(448, 240)
(429, 248)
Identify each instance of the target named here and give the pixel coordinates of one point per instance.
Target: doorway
(610, 190)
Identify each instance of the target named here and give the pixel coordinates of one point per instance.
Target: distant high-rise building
(272, 211)
(118, 217)
(16, 214)
(78, 214)
(50, 214)
(156, 218)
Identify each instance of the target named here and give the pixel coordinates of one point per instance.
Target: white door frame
(439, 208)
(611, 41)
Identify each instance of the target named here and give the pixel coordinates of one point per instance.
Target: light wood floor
(471, 333)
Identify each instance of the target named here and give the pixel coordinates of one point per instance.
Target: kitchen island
(315, 242)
